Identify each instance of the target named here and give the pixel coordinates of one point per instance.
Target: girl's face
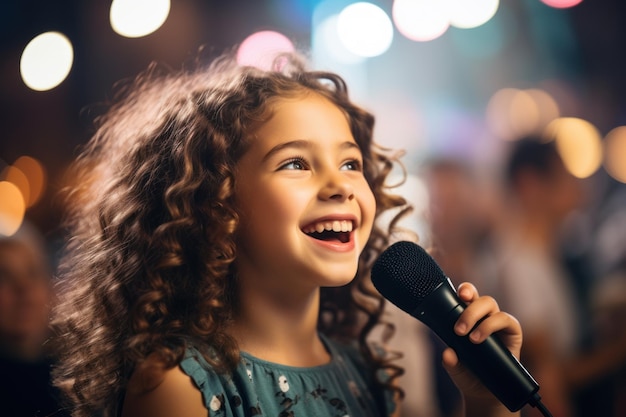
(306, 208)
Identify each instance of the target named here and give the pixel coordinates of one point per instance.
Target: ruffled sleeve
(218, 391)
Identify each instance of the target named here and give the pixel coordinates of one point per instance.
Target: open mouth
(330, 231)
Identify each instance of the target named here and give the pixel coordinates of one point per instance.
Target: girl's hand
(509, 331)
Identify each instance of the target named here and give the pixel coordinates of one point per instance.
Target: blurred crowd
(26, 297)
(551, 248)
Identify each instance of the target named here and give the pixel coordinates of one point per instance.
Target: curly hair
(152, 222)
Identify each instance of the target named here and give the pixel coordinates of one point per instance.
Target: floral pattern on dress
(260, 388)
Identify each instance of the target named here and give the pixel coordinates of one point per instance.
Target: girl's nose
(338, 188)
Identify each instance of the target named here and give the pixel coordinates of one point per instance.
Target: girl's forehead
(306, 117)
(316, 104)
(296, 96)
(306, 112)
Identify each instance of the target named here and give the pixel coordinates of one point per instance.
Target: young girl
(223, 229)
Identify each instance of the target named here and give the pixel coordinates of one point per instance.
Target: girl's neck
(280, 327)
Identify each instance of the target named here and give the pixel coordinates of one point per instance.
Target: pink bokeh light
(261, 48)
(562, 4)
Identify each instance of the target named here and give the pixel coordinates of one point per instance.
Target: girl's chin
(338, 280)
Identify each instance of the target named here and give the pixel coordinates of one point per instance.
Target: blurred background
(446, 81)
(457, 84)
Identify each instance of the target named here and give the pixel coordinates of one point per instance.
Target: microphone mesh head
(405, 274)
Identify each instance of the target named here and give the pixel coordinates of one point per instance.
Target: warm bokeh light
(261, 49)
(36, 176)
(467, 14)
(562, 4)
(137, 18)
(615, 153)
(523, 113)
(16, 177)
(579, 144)
(512, 113)
(46, 61)
(12, 208)
(547, 107)
(365, 29)
(421, 20)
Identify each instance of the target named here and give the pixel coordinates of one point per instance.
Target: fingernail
(465, 292)
(475, 336)
(461, 328)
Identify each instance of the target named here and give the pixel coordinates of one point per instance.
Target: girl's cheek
(368, 207)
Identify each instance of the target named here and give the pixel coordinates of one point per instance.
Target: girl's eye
(295, 163)
(353, 165)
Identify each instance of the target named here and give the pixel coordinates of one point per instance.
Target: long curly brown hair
(152, 222)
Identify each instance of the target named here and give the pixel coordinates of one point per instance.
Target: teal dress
(341, 388)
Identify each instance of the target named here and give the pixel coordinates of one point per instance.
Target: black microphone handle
(490, 361)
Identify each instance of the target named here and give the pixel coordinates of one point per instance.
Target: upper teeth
(334, 226)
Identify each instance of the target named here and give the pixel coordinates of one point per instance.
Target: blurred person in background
(534, 282)
(460, 218)
(603, 237)
(460, 215)
(25, 301)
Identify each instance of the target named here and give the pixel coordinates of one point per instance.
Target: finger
(459, 373)
(477, 310)
(467, 292)
(450, 360)
(500, 322)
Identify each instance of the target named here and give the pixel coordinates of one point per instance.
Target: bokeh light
(365, 29)
(137, 18)
(547, 108)
(421, 20)
(16, 177)
(261, 49)
(46, 61)
(615, 153)
(326, 38)
(485, 41)
(561, 4)
(513, 113)
(35, 174)
(467, 14)
(579, 144)
(12, 208)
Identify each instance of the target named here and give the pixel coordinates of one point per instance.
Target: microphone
(411, 279)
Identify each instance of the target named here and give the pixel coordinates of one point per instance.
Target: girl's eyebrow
(296, 144)
(304, 144)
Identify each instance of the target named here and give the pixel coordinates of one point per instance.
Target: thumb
(451, 362)
(461, 376)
